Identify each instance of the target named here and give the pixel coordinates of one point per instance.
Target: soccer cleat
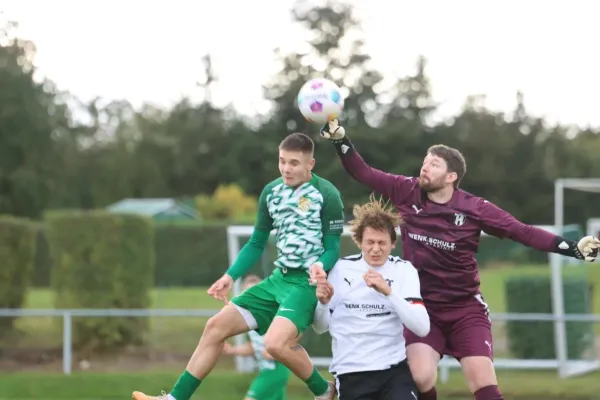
(329, 394)
(142, 396)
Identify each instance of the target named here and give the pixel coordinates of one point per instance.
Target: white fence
(576, 366)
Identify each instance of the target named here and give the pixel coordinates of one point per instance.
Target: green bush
(102, 260)
(17, 254)
(190, 255)
(535, 339)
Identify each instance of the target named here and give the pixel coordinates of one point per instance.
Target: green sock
(185, 386)
(316, 383)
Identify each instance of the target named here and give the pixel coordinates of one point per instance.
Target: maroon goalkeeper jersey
(441, 240)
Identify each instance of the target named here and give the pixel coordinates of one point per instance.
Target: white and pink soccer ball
(320, 100)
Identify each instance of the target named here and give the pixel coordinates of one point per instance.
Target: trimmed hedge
(196, 255)
(17, 255)
(102, 260)
(535, 339)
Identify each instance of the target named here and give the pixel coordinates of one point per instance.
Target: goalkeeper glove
(332, 130)
(587, 249)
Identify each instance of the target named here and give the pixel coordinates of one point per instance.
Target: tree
(32, 116)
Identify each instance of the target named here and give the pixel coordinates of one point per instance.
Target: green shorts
(270, 384)
(285, 293)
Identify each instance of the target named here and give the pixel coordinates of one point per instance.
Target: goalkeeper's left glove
(587, 249)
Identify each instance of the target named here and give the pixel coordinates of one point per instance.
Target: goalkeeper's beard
(432, 186)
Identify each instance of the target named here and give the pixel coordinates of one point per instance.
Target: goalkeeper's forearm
(249, 254)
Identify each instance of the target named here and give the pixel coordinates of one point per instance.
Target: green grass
(180, 335)
(226, 385)
(492, 287)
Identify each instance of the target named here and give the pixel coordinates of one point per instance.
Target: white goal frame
(565, 368)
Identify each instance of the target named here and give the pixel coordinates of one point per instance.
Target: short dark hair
(376, 215)
(454, 159)
(298, 142)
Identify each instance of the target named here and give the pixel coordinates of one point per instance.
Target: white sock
(169, 397)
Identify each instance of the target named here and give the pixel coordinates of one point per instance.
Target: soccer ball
(320, 100)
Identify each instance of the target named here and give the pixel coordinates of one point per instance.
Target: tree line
(58, 152)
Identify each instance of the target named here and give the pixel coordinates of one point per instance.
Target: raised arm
(408, 303)
(253, 249)
(395, 187)
(498, 222)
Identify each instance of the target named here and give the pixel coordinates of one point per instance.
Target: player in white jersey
(366, 302)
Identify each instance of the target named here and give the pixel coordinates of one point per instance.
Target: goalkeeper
(306, 213)
(440, 236)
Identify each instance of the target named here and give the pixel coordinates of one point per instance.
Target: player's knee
(275, 344)
(215, 329)
(423, 361)
(479, 372)
(221, 327)
(424, 375)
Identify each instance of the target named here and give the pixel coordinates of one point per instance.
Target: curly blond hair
(377, 215)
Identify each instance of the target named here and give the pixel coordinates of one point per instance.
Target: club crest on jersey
(304, 203)
(459, 219)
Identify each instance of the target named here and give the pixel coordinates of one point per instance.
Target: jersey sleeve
(410, 289)
(498, 222)
(264, 222)
(322, 315)
(408, 303)
(332, 214)
(254, 248)
(394, 187)
(335, 279)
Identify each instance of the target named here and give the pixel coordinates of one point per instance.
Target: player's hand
(324, 292)
(588, 246)
(333, 130)
(228, 349)
(375, 280)
(221, 288)
(317, 273)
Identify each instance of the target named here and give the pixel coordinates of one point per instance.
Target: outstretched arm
(252, 250)
(395, 187)
(498, 222)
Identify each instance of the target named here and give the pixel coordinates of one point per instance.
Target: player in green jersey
(306, 213)
(271, 381)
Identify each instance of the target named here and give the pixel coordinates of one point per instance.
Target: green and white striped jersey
(300, 216)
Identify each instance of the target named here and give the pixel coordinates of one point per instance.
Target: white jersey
(365, 325)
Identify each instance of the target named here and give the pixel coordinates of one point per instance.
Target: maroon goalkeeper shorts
(458, 330)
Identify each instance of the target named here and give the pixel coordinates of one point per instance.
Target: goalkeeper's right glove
(333, 131)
